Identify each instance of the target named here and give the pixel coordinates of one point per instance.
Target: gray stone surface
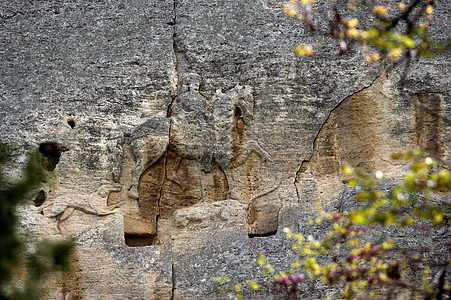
(185, 127)
(107, 66)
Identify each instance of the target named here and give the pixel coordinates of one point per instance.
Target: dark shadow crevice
(71, 123)
(267, 234)
(40, 198)
(52, 153)
(133, 240)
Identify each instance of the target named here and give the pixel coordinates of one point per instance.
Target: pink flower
(283, 280)
(403, 284)
(352, 257)
(296, 278)
(373, 251)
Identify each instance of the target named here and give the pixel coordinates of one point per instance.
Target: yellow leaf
(383, 277)
(290, 12)
(253, 285)
(359, 217)
(401, 6)
(388, 244)
(376, 56)
(304, 50)
(237, 287)
(348, 170)
(438, 218)
(288, 232)
(352, 32)
(429, 9)
(395, 54)
(380, 10)
(353, 22)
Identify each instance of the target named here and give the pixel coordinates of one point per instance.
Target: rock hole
(133, 240)
(71, 123)
(171, 23)
(252, 235)
(52, 153)
(238, 113)
(40, 198)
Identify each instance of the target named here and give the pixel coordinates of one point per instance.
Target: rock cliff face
(181, 136)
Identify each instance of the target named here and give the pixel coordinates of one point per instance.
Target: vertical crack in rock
(299, 171)
(172, 281)
(171, 105)
(180, 61)
(160, 193)
(174, 72)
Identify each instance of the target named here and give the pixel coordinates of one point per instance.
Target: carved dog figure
(63, 206)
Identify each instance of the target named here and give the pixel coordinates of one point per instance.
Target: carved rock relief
(207, 151)
(363, 131)
(203, 152)
(61, 206)
(62, 203)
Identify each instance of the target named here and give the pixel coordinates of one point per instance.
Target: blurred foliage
(397, 30)
(346, 257)
(25, 265)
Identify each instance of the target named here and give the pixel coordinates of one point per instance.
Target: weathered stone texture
(106, 66)
(181, 136)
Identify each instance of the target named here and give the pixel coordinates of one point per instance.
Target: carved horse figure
(149, 142)
(188, 132)
(199, 130)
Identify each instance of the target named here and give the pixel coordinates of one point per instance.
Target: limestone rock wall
(181, 135)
